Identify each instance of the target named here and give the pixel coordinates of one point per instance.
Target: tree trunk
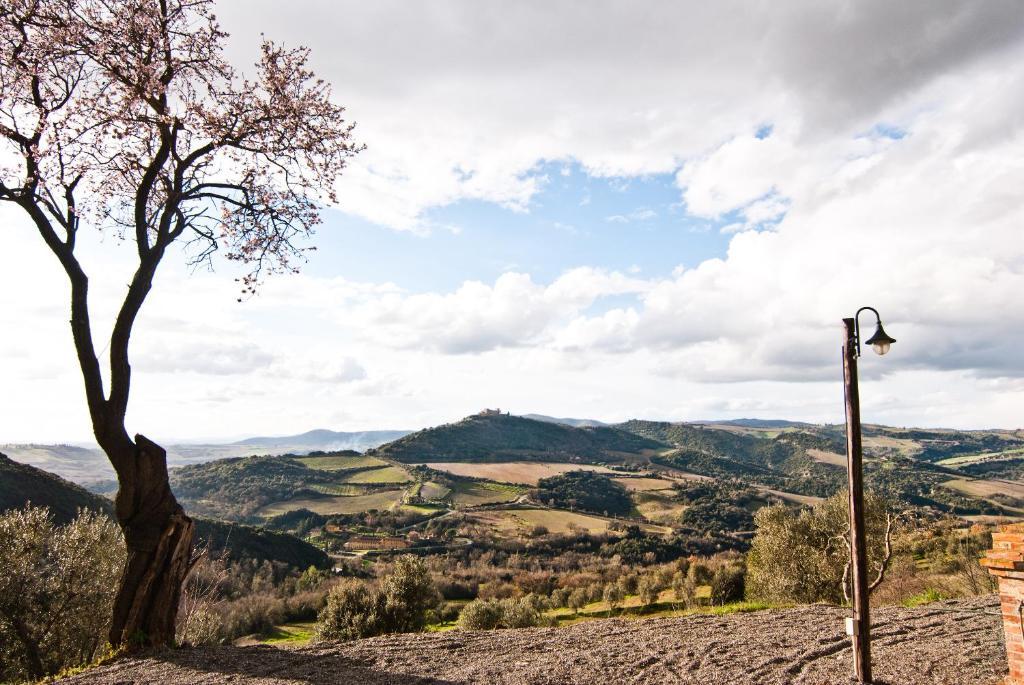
(158, 536)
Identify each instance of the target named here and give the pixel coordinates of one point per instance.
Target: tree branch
(890, 521)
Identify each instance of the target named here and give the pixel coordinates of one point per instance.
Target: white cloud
(458, 102)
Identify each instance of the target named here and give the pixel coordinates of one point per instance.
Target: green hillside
(237, 542)
(21, 483)
(238, 487)
(491, 438)
(786, 462)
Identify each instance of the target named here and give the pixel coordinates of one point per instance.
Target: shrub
(57, 586)
(699, 574)
(399, 605)
(481, 614)
(648, 591)
(683, 589)
(727, 585)
(613, 595)
(491, 614)
(408, 593)
(578, 599)
(352, 611)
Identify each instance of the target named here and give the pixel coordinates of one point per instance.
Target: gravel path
(951, 643)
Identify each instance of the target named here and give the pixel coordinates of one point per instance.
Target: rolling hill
(21, 484)
(500, 437)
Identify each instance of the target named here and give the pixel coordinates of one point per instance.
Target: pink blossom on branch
(124, 115)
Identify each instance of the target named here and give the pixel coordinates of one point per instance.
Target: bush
(613, 595)
(491, 614)
(699, 574)
(408, 593)
(578, 599)
(727, 585)
(352, 612)
(57, 587)
(399, 605)
(648, 591)
(481, 614)
(683, 589)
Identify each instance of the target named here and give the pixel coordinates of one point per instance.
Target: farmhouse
(369, 542)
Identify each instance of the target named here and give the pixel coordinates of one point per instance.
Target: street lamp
(860, 626)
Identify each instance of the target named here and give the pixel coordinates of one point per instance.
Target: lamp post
(861, 624)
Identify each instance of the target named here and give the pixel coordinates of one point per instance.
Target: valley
(568, 523)
(493, 476)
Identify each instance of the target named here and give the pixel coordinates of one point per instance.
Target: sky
(595, 209)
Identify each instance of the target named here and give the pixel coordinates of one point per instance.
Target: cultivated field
(906, 447)
(433, 491)
(340, 463)
(982, 456)
(644, 484)
(336, 505)
(340, 490)
(827, 457)
(474, 494)
(654, 507)
(555, 520)
(986, 488)
(521, 472)
(952, 642)
(387, 474)
(806, 500)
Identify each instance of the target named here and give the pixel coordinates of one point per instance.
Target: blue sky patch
(635, 225)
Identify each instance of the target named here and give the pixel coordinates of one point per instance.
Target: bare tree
(123, 116)
(881, 565)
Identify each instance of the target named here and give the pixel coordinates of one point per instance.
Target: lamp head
(880, 341)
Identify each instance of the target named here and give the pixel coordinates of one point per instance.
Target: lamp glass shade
(880, 341)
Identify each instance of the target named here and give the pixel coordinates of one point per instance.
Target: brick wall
(1005, 561)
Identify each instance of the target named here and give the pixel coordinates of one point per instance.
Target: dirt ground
(952, 643)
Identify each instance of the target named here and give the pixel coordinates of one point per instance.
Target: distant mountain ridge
(86, 465)
(575, 423)
(328, 440)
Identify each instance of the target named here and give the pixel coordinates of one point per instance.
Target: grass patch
(665, 607)
(982, 456)
(289, 633)
(426, 509)
(340, 462)
(441, 627)
(927, 597)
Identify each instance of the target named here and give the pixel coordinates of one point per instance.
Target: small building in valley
(363, 543)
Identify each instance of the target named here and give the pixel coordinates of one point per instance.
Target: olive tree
(123, 116)
(803, 555)
(56, 589)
